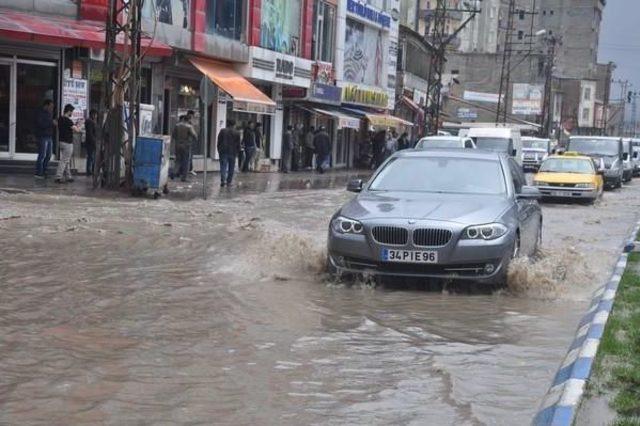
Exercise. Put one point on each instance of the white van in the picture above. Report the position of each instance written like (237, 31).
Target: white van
(498, 139)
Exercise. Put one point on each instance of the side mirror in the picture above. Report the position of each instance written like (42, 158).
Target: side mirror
(355, 185)
(635, 155)
(625, 156)
(529, 193)
(514, 152)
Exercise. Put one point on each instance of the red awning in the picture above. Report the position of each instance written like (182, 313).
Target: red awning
(60, 31)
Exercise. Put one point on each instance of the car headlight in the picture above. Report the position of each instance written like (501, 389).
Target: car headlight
(540, 183)
(490, 231)
(585, 185)
(343, 225)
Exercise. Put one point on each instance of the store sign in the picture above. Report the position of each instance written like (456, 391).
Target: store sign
(325, 93)
(254, 108)
(284, 68)
(290, 92)
(323, 72)
(367, 12)
(467, 114)
(367, 97)
(481, 97)
(75, 92)
(527, 99)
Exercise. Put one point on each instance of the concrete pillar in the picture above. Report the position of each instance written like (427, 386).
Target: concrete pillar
(276, 123)
(341, 29)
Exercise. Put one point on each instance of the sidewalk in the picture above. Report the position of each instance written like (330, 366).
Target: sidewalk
(244, 183)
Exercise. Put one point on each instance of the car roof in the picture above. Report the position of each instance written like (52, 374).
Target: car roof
(533, 138)
(570, 157)
(441, 138)
(610, 138)
(449, 153)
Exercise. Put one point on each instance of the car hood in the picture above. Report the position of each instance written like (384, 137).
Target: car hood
(459, 208)
(564, 177)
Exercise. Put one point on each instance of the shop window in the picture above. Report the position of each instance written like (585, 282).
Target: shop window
(225, 18)
(172, 12)
(280, 25)
(145, 86)
(324, 32)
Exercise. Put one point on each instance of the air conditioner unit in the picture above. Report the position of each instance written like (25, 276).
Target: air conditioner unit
(96, 55)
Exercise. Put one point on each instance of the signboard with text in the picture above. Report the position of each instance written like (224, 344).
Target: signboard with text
(356, 95)
(75, 92)
(527, 99)
(481, 97)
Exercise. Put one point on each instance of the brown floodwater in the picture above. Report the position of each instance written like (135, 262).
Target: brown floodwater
(203, 312)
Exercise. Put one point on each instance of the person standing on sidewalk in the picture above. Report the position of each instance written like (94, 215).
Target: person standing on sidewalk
(66, 129)
(308, 148)
(228, 150)
(184, 135)
(249, 142)
(322, 148)
(287, 149)
(44, 132)
(191, 115)
(90, 128)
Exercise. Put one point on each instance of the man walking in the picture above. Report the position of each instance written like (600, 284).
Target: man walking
(44, 132)
(322, 148)
(228, 149)
(287, 149)
(90, 128)
(191, 115)
(249, 142)
(184, 135)
(66, 129)
(308, 148)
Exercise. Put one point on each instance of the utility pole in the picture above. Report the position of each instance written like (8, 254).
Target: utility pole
(607, 99)
(120, 110)
(624, 85)
(439, 41)
(505, 72)
(548, 86)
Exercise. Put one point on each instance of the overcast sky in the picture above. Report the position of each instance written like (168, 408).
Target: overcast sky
(620, 41)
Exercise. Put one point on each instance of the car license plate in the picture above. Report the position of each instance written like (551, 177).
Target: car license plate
(558, 193)
(409, 256)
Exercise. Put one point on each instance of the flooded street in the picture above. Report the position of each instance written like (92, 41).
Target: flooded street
(133, 311)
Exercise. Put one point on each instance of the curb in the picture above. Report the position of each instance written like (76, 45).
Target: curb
(561, 401)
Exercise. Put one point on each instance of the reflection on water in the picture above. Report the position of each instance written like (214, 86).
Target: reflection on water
(125, 312)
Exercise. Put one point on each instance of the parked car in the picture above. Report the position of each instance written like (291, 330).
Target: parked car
(453, 214)
(534, 152)
(569, 176)
(498, 139)
(606, 151)
(450, 142)
(627, 163)
(635, 147)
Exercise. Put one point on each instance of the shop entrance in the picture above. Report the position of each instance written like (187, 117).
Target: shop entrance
(24, 86)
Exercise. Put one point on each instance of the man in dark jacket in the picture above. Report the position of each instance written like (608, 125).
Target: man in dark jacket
(322, 148)
(249, 141)
(90, 128)
(228, 150)
(287, 149)
(44, 126)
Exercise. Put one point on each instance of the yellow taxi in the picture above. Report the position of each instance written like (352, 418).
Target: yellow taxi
(569, 175)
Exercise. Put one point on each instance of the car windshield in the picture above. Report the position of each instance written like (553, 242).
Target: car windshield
(439, 143)
(535, 144)
(568, 165)
(441, 175)
(493, 144)
(594, 146)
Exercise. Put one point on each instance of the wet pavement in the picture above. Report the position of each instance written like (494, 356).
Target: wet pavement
(135, 311)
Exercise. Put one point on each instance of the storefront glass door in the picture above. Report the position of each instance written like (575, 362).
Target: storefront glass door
(7, 119)
(24, 86)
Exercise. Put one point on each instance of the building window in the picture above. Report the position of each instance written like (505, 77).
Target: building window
(551, 12)
(521, 15)
(585, 114)
(520, 35)
(225, 18)
(587, 93)
(324, 32)
(171, 12)
(280, 25)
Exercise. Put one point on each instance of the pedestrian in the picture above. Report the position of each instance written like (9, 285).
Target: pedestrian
(91, 129)
(322, 148)
(308, 148)
(249, 142)
(379, 141)
(298, 143)
(287, 149)
(391, 146)
(66, 129)
(228, 150)
(191, 115)
(259, 146)
(403, 142)
(184, 136)
(565, 132)
(44, 127)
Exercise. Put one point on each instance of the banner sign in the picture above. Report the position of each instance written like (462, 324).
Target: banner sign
(325, 93)
(480, 97)
(367, 12)
(467, 114)
(75, 92)
(527, 99)
(358, 96)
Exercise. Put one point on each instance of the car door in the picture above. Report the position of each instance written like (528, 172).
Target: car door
(527, 211)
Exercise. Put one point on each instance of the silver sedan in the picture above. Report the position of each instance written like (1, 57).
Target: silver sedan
(454, 214)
